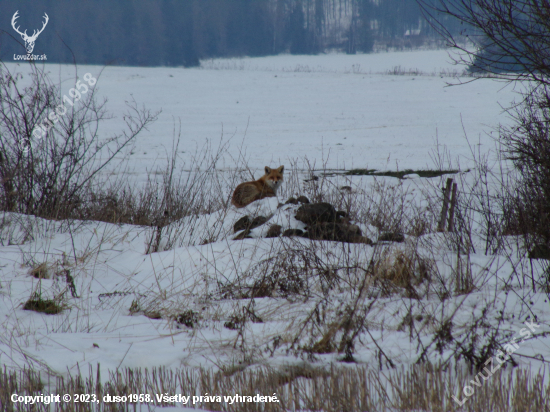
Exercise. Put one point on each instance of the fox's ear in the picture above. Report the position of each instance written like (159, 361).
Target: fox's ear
(281, 169)
(267, 170)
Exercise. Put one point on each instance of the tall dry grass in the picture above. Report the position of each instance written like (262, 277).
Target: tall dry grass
(298, 387)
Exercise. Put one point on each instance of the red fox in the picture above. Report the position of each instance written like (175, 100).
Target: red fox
(265, 186)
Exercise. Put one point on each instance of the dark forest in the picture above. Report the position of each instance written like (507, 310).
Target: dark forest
(181, 32)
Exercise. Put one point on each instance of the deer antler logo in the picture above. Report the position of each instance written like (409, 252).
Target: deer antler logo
(29, 40)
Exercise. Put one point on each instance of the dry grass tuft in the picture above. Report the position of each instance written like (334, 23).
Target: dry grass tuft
(48, 306)
(402, 269)
(42, 271)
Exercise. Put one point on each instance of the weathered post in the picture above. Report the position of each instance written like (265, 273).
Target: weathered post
(451, 226)
(446, 198)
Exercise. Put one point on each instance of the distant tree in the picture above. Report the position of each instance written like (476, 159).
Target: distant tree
(365, 35)
(297, 33)
(250, 28)
(178, 47)
(360, 36)
(320, 20)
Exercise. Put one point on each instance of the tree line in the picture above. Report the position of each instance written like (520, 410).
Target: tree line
(181, 32)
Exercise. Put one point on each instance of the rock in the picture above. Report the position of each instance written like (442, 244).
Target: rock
(243, 235)
(293, 232)
(245, 223)
(241, 224)
(258, 221)
(274, 231)
(391, 237)
(322, 231)
(333, 231)
(325, 223)
(346, 188)
(313, 213)
(294, 201)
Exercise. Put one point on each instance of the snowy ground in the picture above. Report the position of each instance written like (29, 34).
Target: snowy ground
(342, 111)
(334, 107)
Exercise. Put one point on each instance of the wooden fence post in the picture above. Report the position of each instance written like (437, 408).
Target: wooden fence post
(451, 226)
(446, 198)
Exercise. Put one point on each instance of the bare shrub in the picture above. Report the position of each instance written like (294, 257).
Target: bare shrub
(55, 174)
(198, 192)
(68, 173)
(527, 144)
(286, 273)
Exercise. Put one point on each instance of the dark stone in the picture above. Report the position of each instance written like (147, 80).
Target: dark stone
(291, 201)
(274, 231)
(293, 232)
(539, 252)
(348, 188)
(257, 221)
(245, 223)
(241, 224)
(325, 231)
(243, 235)
(303, 199)
(391, 237)
(314, 213)
(333, 231)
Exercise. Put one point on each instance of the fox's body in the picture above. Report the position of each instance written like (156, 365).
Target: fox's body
(265, 186)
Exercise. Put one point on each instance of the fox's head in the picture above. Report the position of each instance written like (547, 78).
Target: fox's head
(274, 177)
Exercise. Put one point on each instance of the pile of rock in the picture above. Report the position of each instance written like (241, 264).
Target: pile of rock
(325, 223)
(322, 222)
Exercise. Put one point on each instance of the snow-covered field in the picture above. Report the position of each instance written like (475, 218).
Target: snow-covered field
(336, 107)
(338, 112)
